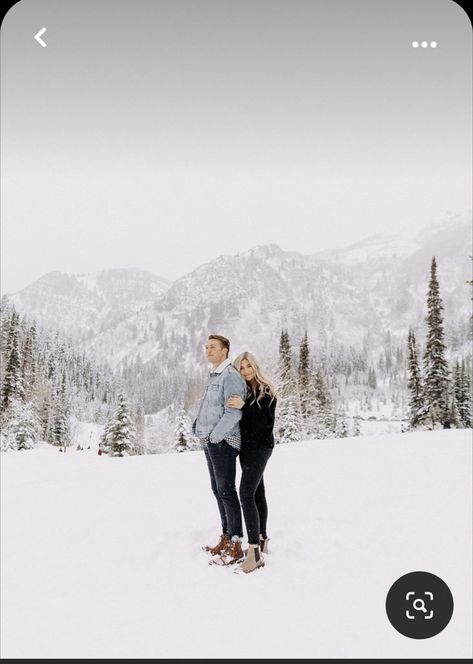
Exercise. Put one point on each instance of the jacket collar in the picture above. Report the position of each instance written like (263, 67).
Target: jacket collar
(221, 367)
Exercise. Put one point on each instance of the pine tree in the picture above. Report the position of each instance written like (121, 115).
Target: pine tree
(61, 427)
(140, 429)
(464, 395)
(324, 418)
(182, 431)
(5, 322)
(453, 413)
(121, 430)
(414, 383)
(285, 362)
(435, 392)
(342, 429)
(304, 374)
(356, 427)
(372, 378)
(288, 422)
(104, 444)
(307, 394)
(13, 387)
(21, 431)
(46, 413)
(28, 369)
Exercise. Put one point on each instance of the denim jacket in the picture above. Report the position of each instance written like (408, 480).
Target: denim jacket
(214, 416)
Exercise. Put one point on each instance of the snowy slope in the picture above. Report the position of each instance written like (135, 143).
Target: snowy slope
(348, 295)
(84, 305)
(249, 297)
(101, 557)
(376, 248)
(354, 295)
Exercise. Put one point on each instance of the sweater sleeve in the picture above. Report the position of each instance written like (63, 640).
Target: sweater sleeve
(233, 384)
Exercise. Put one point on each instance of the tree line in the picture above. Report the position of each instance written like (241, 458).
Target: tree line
(439, 393)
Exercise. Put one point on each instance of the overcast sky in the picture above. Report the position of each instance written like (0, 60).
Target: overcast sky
(160, 134)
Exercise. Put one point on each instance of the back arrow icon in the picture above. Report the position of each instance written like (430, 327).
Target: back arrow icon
(38, 37)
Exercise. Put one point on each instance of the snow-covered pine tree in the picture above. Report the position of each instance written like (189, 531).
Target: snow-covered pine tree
(342, 428)
(5, 320)
(453, 414)
(12, 387)
(28, 369)
(356, 427)
(304, 374)
(456, 392)
(46, 410)
(182, 431)
(288, 417)
(324, 418)
(464, 395)
(414, 383)
(121, 430)
(435, 388)
(21, 431)
(140, 428)
(285, 361)
(372, 378)
(290, 422)
(61, 426)
(104, 437)
(307, 394)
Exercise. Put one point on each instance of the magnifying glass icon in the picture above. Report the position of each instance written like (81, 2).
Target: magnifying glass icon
(419, 605)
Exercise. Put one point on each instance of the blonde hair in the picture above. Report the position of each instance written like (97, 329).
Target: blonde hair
(263, 384)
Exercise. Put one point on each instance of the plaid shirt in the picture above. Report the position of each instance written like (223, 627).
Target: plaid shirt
(233, 441)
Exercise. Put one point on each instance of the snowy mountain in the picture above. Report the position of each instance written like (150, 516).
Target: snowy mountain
(250, 296)
(85, 305)
(394, 272)
(385, 249)
(247, 297)
(101, 557)
(353, 296)
(380, 248)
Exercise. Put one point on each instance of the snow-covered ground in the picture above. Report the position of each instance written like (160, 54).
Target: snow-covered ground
(101, 556)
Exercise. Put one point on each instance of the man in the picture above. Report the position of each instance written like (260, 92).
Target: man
(218, 429)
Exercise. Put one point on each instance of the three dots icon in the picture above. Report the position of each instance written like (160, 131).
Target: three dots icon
(424, 44)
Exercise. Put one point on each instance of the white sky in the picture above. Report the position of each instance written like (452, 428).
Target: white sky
(162, 134)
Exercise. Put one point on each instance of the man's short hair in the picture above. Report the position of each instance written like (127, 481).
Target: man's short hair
(223, 340)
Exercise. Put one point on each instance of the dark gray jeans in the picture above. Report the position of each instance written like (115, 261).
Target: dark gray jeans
(221, 460)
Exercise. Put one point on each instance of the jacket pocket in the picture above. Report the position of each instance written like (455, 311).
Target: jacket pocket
(213, 394)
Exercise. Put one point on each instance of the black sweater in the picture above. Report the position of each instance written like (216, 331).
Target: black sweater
(257, 420)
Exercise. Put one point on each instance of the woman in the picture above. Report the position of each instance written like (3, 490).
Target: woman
(257, 442)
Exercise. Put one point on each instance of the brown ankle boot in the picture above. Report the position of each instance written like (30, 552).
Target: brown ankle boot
(253, 559)
(233, 553)
(219, 547)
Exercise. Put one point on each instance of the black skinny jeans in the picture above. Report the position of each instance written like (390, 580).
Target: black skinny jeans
(253, 460)
(221, 461)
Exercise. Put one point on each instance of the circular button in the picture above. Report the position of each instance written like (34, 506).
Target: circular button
(419, 605)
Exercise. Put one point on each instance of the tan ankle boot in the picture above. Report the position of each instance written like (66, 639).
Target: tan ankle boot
(253, 559)
(264, 544)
